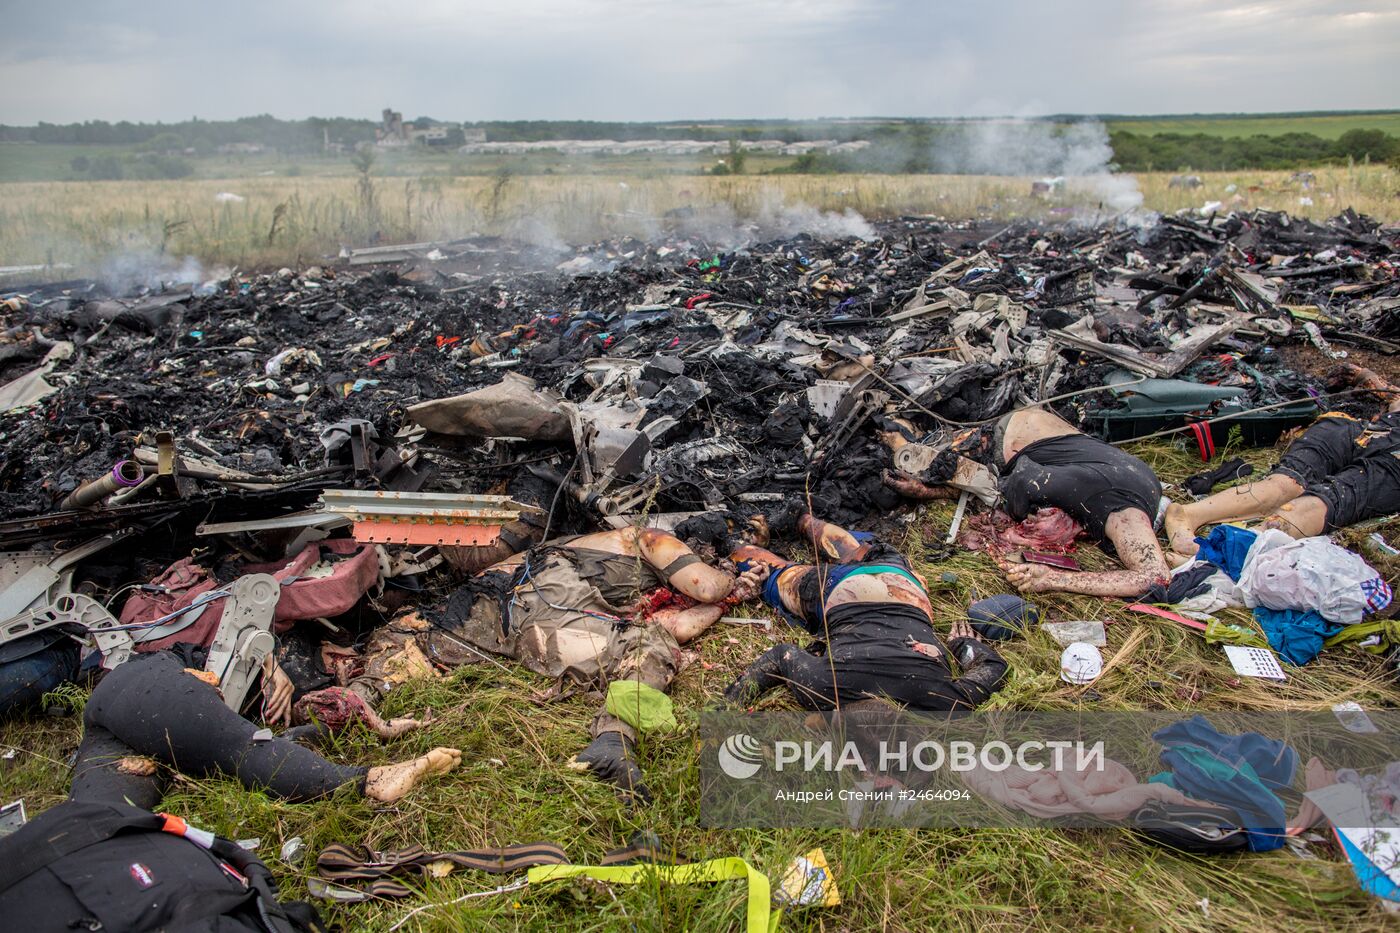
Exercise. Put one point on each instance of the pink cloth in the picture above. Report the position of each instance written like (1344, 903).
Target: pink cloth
(316, 597)
(183, 583)
(322, 597)
(1111, 794)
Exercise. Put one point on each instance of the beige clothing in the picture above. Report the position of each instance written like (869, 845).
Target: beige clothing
(559, 626)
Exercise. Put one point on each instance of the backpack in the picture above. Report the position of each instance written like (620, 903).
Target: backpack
(1190, 828)
(114, 867)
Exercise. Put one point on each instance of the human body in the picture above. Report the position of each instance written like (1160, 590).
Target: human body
(592, 610)
(1340, 471)
(1044, 462)
(874, 617)
(161, 708)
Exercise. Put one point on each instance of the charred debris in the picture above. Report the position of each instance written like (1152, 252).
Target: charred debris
(665, 377)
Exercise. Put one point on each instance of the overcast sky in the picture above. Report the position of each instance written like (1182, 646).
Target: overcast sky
(67, 60)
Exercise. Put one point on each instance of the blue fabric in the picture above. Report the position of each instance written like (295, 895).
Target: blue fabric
(772, 597)
(1005, 615)
(834, 575)
(1296, 634)
(1245, 771)
(25, 679)
(1371, 878)
(1226, 548)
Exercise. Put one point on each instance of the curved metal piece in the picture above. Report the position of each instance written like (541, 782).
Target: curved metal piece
(82, 612)
(244, 638)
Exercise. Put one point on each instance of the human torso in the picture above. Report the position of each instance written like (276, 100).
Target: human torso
(883, 587)
(1021, 428)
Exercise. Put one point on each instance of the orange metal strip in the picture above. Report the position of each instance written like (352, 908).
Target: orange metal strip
(420, 533)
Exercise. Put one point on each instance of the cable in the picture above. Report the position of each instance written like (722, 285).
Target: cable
(530, 578)
(974, 424)
(203, 600)
(1249, 411)
(112, 600)
(549, 519)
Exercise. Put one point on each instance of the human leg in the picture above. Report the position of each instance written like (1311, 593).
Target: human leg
(1370, 488)
(644, 653)
(1238, 503)
(809, 679)
(834, 541)
(1327, 447)
(1304, 517)
(33, 668)
(110, 771)
(152, 707)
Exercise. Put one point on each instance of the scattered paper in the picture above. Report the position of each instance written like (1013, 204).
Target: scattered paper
(1354, 719)
(1249, 661)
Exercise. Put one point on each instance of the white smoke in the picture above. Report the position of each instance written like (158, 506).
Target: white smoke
(771, 217)
(136, 270)
(1078, 152)
(787, 220)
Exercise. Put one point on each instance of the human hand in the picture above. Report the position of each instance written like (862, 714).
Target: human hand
(962, 628)
(1032, 578)
(277, 694)
(750, 582)
(911, 487)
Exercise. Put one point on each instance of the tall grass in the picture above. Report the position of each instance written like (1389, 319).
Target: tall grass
(513, 787)
(306, 220)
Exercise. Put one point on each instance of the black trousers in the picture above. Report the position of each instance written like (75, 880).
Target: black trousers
(150, 707)
(888, 671)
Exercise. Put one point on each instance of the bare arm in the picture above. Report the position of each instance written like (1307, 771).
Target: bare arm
(685, 624)
(698, 580)
(911, 487)
(1131, 533)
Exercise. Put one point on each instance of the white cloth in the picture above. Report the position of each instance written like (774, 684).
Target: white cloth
(1310, 573)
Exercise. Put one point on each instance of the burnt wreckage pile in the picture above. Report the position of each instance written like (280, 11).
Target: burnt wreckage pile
(667, 377)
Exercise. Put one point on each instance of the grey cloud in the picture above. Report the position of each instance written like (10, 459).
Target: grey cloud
(666, 59)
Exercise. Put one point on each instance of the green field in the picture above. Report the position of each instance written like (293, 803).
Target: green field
(53, 162)
(899, 140)
(1325, 126)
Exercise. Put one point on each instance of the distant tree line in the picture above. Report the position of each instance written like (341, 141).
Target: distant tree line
(938, 149)
(1174, 151)
(897, 145)
(203, 136)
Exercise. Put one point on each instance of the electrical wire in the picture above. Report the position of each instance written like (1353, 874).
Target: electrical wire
(549, 519)
(203, 600)
(973, 424)
(530, 578)
(1250, 411)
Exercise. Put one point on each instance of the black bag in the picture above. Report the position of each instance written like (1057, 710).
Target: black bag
(1199, 829)
(103, 866)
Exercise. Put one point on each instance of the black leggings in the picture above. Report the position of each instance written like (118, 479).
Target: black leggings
(150, 707)
(823, 683)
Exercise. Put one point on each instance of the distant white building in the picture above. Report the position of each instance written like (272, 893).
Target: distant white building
(662, 146)
(394, 133)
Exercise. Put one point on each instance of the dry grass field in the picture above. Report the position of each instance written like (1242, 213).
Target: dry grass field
(289, 221)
